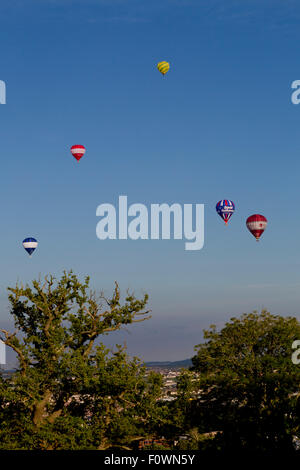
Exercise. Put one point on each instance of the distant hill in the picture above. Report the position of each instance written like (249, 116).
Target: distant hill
(186, 363)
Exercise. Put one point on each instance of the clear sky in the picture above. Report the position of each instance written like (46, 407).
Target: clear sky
(219, 125)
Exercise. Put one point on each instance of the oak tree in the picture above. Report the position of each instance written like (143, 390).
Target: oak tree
(70, 391)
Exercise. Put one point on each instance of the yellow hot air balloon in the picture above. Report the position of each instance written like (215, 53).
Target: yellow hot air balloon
(163, 67)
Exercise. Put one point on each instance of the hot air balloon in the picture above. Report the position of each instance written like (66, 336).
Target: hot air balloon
(30, 245)
(225, 208)
(256, 224)
(78, 151)
(163, 67)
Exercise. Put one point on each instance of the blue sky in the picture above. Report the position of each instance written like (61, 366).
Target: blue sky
(220, 125)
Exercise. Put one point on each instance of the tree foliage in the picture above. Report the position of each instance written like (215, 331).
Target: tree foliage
(70, 391)
(248, 386)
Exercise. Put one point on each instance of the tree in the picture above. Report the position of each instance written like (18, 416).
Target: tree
(249, 387)
(71, 392)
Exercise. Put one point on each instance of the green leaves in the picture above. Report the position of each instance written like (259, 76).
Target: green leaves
(248, 381)
(71, 392)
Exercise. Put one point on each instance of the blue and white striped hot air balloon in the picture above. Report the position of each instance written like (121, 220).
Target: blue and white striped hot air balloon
(30, 245)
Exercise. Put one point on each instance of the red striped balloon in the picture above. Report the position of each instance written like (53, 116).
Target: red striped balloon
(256, 224)
(78, 151)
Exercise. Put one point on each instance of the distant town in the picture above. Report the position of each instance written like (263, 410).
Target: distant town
(170, 371)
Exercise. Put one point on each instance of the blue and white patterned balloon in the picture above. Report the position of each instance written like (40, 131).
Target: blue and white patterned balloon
(225, 208)
(30, 245)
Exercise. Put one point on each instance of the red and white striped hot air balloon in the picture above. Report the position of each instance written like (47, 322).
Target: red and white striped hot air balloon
(256, 224)
(78, 151)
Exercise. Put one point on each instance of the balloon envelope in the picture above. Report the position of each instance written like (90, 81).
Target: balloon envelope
(78, 151)
(163, 67)
(30, 245)
(225, 208)
(256, 224)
